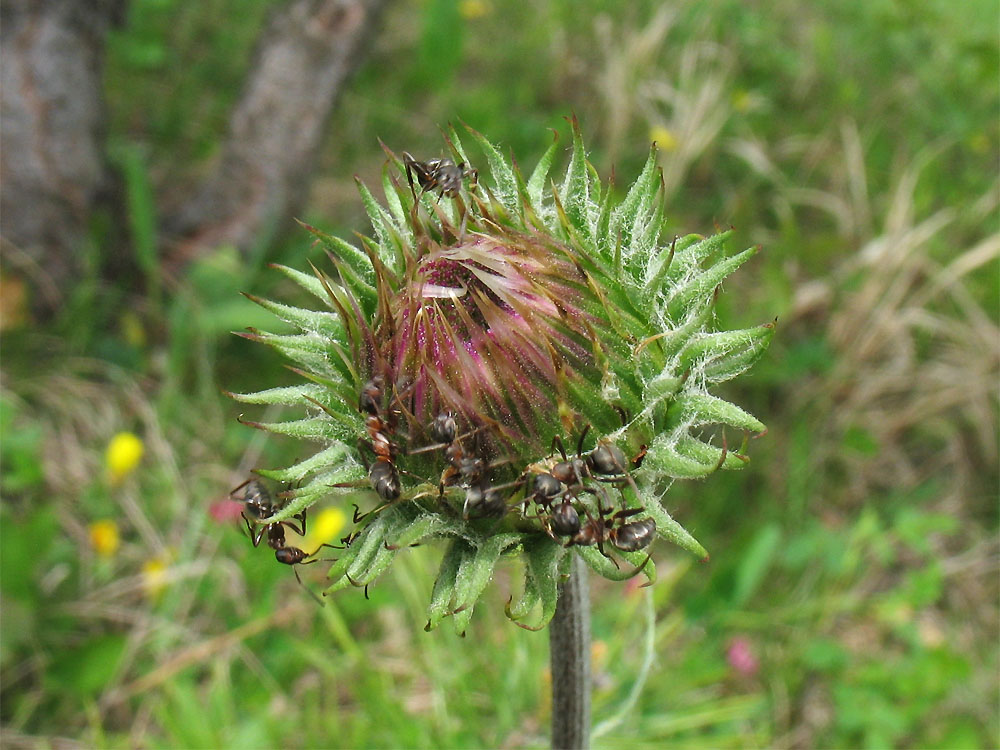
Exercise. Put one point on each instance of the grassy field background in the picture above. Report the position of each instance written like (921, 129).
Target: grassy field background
(852, 595)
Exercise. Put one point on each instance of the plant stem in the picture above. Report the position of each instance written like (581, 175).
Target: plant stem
(569, 658)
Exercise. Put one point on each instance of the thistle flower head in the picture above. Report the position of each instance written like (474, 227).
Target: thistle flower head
(515, 367)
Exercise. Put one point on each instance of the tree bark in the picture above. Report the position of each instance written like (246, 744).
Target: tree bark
(51, 163)
(301, 63)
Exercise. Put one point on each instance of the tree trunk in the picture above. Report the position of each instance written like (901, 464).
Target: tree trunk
(52, 166)
(276, 129)
(51, 161)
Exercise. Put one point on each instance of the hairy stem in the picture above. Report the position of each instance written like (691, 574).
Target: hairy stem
(569, 657)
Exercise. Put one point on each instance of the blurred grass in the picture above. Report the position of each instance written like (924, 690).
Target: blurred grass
(857, 555)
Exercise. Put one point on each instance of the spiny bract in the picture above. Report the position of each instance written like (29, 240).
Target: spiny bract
(518, 368)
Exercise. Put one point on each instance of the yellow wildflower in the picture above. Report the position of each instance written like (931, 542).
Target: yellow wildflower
(742, 101)
(104, 537)
(472, 9)
(132, 329)
(325, 528)
(664, 137)
(122, 456)
(154, 576)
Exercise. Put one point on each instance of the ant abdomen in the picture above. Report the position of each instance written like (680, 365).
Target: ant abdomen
(634, 536)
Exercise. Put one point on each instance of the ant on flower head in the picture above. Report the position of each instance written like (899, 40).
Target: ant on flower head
(259, 505)
(442, 176)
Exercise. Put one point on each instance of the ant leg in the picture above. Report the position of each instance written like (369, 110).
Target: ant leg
(356, 584)
(355, 484)
(254, 537)
(600, 547)
(639, 570)
(311, 592)
(313, 558)
(604, 505)
(410, 164)
(301, 518)
(427, 448)
(359, 518)
(394, 547)
(626, 513)
(579, 443)
(547, 526)
(558, 443)
(239, 487)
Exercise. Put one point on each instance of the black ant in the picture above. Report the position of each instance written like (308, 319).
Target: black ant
(443, 428)
(370, 400)
(462, 468)
(439, 175)
(467, 469)
(635, 535)
(259, 505)
(481, 498)
(382, 474)
(562, 519)
(627, 537)
(606, 463)
(483, 501)
(544, 489)
(257, 501)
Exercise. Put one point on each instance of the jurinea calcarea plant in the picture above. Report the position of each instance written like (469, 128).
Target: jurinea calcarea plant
(517, 369)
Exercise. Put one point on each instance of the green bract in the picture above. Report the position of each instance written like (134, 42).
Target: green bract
(539, 318)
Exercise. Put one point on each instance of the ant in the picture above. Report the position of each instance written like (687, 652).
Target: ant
(439, 175)
(481, 498)
(635, 535)
(463, 468)
(443, 428)
(257, 500)
(627, 537)
(294, 556)
(544, 489)
(258, 503)
(562, 520)
(382, 474)
(483, 501)
(606, 463)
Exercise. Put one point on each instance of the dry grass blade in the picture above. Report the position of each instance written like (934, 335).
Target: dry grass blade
(199, 652)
